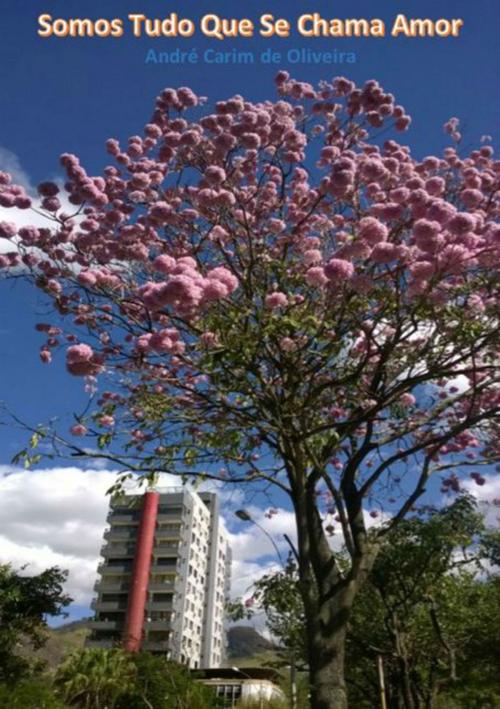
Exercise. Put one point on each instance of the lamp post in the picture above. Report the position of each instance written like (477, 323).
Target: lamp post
(261, 698)
(293, 682)
(244, 516)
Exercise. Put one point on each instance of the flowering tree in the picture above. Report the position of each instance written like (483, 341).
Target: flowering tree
(272, 289)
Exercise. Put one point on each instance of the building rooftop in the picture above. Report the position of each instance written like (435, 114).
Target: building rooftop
(262, 673)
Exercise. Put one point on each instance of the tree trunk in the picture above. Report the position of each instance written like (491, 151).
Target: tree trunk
(326, 669)
(327, 593)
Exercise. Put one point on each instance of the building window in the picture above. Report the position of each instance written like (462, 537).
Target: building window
(229, 693)
(166, 561)
(162, 597)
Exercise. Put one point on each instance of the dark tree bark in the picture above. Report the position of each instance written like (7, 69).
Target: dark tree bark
(327, 592)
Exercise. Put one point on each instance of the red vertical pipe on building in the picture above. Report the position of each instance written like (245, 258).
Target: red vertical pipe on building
(140, 573)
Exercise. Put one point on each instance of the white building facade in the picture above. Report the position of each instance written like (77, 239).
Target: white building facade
(165, 577)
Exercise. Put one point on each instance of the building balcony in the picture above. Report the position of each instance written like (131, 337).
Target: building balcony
(116, 534)
(119, 518)
(157, 625)
(173, 517)
(104, 585)
(162, 586)
(159, 605)
(156, 645)
(98, 605)
(105, 568)
(121, 550)
(107, 624)
(168, 533)
(159, 568)
(167, 546)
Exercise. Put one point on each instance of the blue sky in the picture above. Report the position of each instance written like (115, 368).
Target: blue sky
(70, 95)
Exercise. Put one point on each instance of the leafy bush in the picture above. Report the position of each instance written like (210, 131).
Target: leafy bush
(97, 678)
(29, 694)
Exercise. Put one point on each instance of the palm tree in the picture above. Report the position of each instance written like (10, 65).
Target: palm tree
(95, 678)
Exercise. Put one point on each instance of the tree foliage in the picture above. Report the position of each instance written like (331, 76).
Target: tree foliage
(430, 610)
(277, 595)
(96, 678)
(31, 693)
(430, 589)
(25, 603)
(278, 295)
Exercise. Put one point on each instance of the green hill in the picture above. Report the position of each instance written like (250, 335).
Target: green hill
(244, 643)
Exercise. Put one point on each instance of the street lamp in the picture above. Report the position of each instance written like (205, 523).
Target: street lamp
(244, 516)
(261, 698)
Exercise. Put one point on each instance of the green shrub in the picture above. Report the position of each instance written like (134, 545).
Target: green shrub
(29, 694)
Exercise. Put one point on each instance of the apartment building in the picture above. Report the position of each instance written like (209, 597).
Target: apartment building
(165, 577)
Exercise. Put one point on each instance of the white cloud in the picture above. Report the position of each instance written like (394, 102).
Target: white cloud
(485, 494)
(9, 162)
(56, 517)
(250, 543)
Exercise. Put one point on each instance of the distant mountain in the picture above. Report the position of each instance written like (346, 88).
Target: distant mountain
(71, 626)
(62, 641)
(244, 641)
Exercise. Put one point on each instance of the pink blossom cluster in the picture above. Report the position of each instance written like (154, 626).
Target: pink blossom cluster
(12, 195)
(81, 361)
(166, 340)
(186, 288)
(278, 227)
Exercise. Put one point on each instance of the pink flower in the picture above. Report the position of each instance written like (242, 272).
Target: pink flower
(78, 430)
(407, 399)
(209, 339)
(435, 186)
(106, 421)
(312, 256)
(287, 344)
(7, 230)
(372, 230)
(339, 269)
(81, 361)
(475, 303)
(426, 234)
(422, 270)
(316, 276)
(384, 252)
(215, 175)
(160, 212)
(276, 300)
(276, 226)
(440, 211)
(186, 97)
(223, 275)
(164, 264)
(471, 198)
(45, 355)
(219, 234)
(143, 342)
(87, 278)
(461, 223)
(214, 290)
(250, 141)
